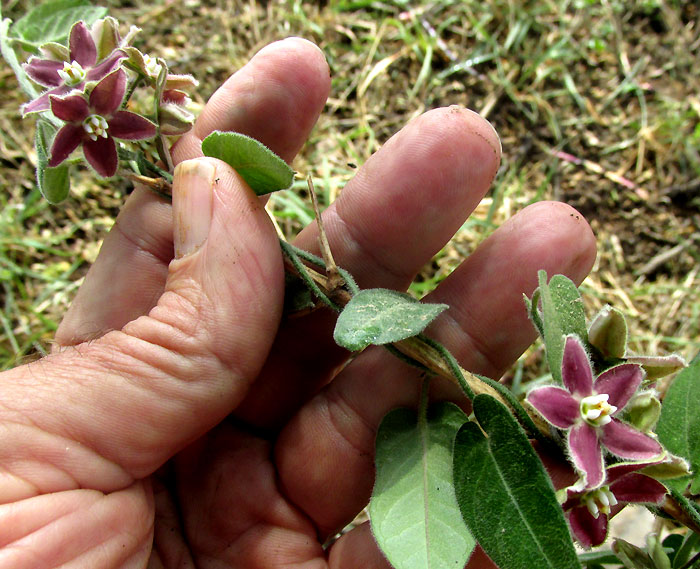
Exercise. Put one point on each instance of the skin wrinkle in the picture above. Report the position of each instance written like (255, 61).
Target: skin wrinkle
(91, 504)
(357, 245)
(147, 246)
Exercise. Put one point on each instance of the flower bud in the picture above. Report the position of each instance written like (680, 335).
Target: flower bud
(105, 33)
(644, 410)
(174, 119)
(608, 332)
(657, 553)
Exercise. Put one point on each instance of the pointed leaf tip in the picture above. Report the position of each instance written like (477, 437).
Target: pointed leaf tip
(381, 316)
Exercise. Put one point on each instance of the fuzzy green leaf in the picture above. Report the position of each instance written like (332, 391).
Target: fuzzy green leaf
(562, 314)
(505, 494)
(261, 168)
(678, 428)
(414, 513)
(380, 316)
(54, 183)
(51, 21)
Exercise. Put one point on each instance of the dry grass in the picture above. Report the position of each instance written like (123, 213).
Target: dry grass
(596, 102)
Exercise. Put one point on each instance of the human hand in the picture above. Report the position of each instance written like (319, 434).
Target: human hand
(179, 423)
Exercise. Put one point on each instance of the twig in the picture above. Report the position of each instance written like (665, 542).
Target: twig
(335, 281)
(657, 260)
(159, 186)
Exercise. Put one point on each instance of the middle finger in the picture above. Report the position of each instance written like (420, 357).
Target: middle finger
(403, 205)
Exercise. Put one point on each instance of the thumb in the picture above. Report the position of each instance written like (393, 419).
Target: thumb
(135, 397)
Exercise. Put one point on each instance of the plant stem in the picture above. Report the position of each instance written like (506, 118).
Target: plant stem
(682, 509)
(692, 562)
(451, 363)
(304, 274)
(131, 88)
(423, 351)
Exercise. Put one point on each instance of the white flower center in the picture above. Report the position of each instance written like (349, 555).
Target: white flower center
(72, 73)
(95, 126)
(596, 410)
(152, 66)
(599, 501)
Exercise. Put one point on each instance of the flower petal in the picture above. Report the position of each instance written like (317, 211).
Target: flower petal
(44, 71)
(556, 405)
(180, 82)
(627, 442)
(638, 488)
(130, 126)
(101, 154)
(586, 454)
(82, 46)
(658, 366)
(108, 93)
(70, 109)
(617, 471)
(65, 142)
(576, 371)
(587, 530)
(38, 105)
(106, 67)
(620, 383)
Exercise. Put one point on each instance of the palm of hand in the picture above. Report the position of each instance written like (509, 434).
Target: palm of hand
(157, 471)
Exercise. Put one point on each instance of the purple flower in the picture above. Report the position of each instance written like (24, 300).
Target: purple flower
(96, 123)
(588, 411)
(61, 76)
(588, 510)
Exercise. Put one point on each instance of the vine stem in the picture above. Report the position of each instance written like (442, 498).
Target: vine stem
(426, 352)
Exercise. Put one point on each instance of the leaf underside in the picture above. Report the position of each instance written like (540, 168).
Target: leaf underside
(414, 513)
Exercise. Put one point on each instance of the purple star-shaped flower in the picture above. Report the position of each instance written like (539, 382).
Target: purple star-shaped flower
(588, 410)
(95, 124)
(588, 510)
(62, 77)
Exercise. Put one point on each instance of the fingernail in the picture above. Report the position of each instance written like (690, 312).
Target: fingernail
(193, 183)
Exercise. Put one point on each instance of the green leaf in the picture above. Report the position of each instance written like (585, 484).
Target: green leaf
(261, 168)
(413, 511)
(562, 315)
(505, 494)
(54, 183)
(52, 21)
(678, 428)
(9, 55)
(380, 316)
